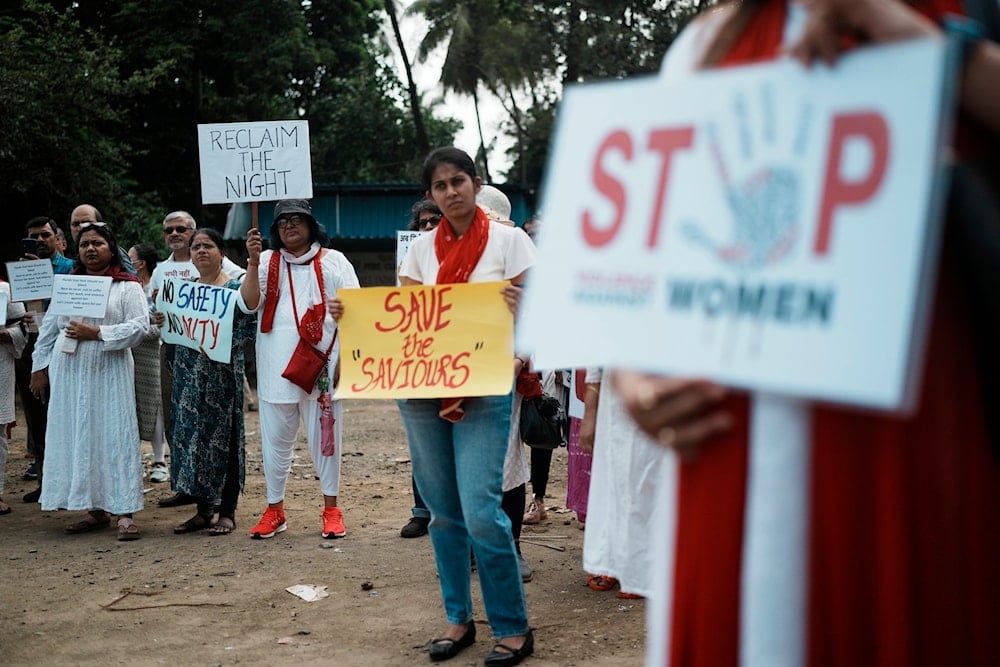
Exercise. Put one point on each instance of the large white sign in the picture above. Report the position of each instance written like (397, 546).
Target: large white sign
(768, 227)
(80, 296)
(254, 161)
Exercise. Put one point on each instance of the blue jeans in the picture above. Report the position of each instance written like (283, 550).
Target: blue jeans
(459, 469)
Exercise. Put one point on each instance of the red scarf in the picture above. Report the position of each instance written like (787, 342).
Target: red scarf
(117, 274)
(458, 257)
(316, 312)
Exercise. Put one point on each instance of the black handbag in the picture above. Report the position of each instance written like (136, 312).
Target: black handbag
(543, 422)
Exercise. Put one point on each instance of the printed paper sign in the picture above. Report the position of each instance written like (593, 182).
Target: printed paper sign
(403, 241)
(198, 316)
(426, 341)
(769, 227)
(254, 161)
(30, 279)
(80, 296)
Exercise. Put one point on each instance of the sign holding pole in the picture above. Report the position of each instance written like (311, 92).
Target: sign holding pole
(250, 162)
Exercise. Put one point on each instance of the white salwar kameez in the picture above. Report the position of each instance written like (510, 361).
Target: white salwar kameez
(284, 404)
(92, 454)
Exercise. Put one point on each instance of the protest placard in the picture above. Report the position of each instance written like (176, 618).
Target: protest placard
(80, 296)
(246, 162)
(426, 341)
(403, 241)
(198, 316)
(30, 279)
(769, 226)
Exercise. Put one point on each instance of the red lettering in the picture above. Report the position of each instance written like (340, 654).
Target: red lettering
(871, 127)
(610, 187)
(665, 142)
(426, 310)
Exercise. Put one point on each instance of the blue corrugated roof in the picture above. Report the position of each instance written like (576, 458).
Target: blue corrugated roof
(353, 211)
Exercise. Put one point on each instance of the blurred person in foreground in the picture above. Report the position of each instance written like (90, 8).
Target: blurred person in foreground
(901, 542)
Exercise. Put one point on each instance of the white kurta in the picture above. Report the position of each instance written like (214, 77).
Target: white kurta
(275, 348)
(8, 353)
(628, 469)
(92, 449)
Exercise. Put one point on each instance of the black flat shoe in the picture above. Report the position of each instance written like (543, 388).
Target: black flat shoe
(32, 496)
(446, 649)
(177, 500)
(511, 656)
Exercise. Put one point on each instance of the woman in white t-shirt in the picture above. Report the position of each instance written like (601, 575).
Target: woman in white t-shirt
(458, 446)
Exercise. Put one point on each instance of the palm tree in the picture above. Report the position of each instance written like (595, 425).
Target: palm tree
(418, 118)
(463, 25)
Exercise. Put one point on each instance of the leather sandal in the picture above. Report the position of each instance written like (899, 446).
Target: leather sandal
(90, 522)
(224, 526)
(194, 524)
(598, 582)
(127, 530)
(445, 648)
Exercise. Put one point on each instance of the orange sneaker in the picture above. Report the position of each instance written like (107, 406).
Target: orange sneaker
(333, 523)
(272, 523)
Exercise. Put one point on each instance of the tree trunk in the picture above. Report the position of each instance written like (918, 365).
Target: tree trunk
(482, 141)
(418, 118)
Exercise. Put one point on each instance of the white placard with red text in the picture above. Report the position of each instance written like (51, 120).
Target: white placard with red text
(769, 227)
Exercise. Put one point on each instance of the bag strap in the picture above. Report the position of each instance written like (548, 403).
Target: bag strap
(322, 294)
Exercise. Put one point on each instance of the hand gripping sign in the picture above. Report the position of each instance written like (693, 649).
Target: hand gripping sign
(769, 227)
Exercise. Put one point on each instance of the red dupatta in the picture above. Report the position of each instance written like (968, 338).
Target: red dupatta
(457, 257)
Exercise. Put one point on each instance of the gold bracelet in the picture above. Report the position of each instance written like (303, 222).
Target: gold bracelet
(596, 390)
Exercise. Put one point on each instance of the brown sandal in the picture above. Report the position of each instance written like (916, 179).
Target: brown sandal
(127, 530)
(194, 524)
(90, 522)
(224, 526)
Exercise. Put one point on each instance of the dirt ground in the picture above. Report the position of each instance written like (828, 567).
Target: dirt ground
(201, 600)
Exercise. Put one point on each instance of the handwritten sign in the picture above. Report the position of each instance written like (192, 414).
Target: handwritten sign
(427, 341)
(254, 161)
(198, 316)
(30, 279)
(80, 296)
(403, 241)
(769, 227)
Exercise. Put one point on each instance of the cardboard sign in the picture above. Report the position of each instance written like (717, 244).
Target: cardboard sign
(198, 316)
(30, 280)
(80, 296)
(769, 227)
(426, 341)
(254, 161)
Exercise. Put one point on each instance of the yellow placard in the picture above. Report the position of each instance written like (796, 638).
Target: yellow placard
(425, 341)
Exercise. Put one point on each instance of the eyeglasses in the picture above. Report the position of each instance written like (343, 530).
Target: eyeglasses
(176, 230)
(293, 220)
(203, 246)
(430, 221)
(84, 223)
